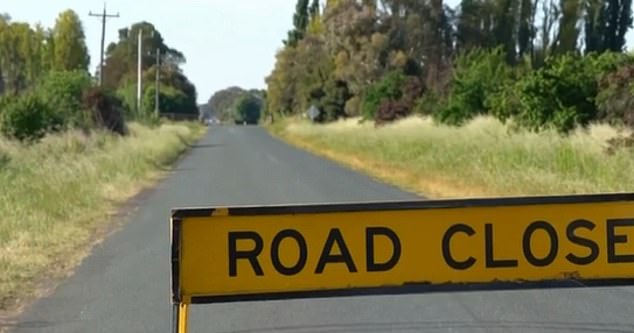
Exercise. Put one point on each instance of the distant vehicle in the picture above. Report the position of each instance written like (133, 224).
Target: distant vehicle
(212, 121)
(245, 123)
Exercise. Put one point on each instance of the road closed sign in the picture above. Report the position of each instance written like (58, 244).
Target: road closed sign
(253, 253)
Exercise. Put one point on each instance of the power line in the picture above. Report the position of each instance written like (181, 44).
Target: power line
(103, 16)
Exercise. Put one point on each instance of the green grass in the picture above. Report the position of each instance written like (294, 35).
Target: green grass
(483, 158)
(57, 196)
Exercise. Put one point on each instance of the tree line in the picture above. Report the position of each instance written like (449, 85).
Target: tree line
(235, 104)
(539, 63)
(46, 84)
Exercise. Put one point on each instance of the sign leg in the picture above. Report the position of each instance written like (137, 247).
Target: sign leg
(183, 311)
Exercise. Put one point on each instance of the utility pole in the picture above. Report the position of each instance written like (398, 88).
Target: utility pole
(103, 16)
(139, 85)
(158, 78)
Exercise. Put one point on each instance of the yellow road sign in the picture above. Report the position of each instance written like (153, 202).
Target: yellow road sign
(251, 253)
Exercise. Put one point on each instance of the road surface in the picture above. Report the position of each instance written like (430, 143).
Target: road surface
(124, 285)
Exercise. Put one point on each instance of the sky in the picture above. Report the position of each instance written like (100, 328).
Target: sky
(226, 42)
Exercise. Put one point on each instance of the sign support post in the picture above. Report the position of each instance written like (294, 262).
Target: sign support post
(183, 312)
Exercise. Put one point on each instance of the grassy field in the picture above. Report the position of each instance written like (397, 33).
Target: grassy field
(57, 196)
(484, 158)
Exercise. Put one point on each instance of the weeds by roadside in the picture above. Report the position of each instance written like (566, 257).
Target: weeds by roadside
(55, 194)
(483, 158)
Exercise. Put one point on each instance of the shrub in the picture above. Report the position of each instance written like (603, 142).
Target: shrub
(63, 91)
(389, 111)
(353, 106)
(104, 110)
(561, 94)
(615, 100)
(28, 118)
(477, 74)
(126, 93)
(4, 100)
(392, 110)
(429, 103)
(385, 90)
(607, 62)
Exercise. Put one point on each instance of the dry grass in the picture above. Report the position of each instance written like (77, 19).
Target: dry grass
(57, 194)
(483, 158)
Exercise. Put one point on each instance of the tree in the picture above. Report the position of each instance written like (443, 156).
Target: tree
(473, 26)
(594, 25)
(43, 54)
(568, 26)
(173, 76)
(20, 56)
(333, 102)
(223, 101)
(282, 83)
(313, 73)
(360, 51)
(550, 14)
(606, 23)
(505, 27)
(314, 9)
(4, 23)
(434, 51)
(121, 57)
(526, 27)
(171, 101)
(70, 51)
(120, 71)
(174, 83)
(247, 109)
(300, 22)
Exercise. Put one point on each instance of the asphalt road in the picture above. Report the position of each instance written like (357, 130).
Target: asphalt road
(124, 285)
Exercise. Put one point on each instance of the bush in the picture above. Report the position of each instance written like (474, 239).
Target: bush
(353, 106)
(392, 110)
(126, 93)
(561, 94)
(429, 103)
(615, 100)
(477, 75)
(386, 90)
(28, 118)
(104, 110)
(4, 100)
(63, 91)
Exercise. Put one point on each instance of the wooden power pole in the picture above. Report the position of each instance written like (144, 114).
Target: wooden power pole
(103, 17)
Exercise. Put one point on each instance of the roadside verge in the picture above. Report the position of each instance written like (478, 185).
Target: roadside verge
(482, 158)
(58, 198)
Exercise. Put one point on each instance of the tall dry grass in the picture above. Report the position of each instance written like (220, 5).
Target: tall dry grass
(54, 195)
(483, 158)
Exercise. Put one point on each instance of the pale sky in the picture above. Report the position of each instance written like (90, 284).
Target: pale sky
(226, 42)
